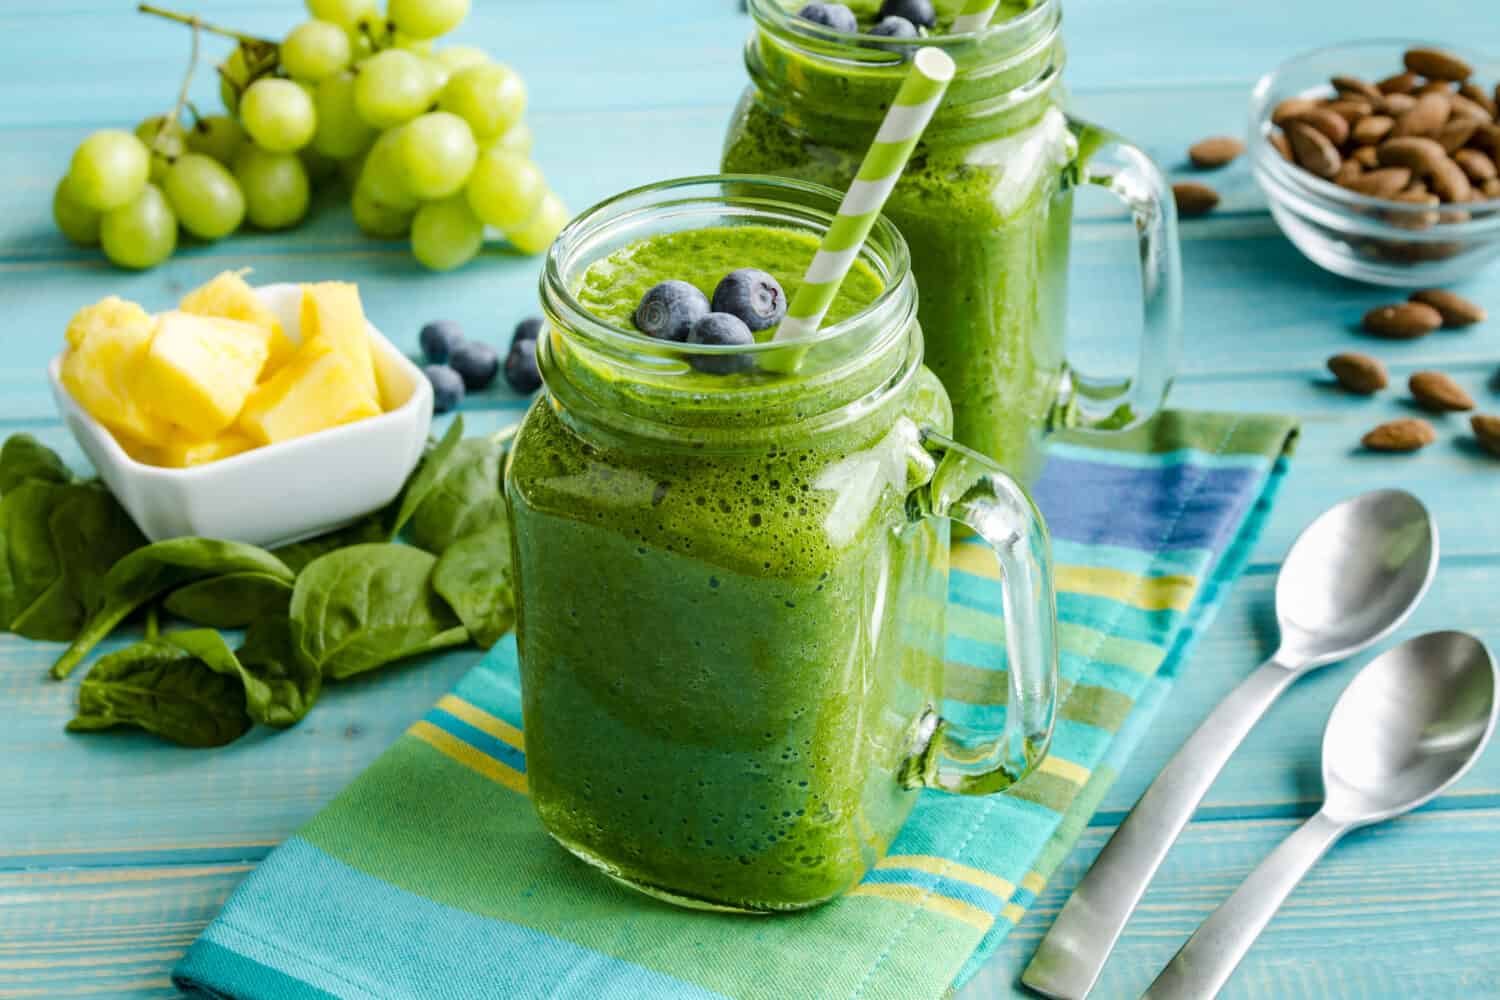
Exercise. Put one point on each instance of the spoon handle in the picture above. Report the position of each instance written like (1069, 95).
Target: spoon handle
(1071, 956)
(1203, 965)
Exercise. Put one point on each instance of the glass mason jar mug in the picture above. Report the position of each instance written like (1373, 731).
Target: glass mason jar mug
(985, 205)
(731, 587)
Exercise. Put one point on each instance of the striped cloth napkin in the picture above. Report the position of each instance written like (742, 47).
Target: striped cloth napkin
(430, 876)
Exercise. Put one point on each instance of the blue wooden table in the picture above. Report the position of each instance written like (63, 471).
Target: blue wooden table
(114, 852)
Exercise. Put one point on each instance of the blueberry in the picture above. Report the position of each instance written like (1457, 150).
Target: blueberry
(477, 363)
(920, 13)
(894, 27)
(529, 328)
(830, 15)
(752, 295)
(441, 338)
(720, 329)
(520, 367)
(447, 387)
(670, 309)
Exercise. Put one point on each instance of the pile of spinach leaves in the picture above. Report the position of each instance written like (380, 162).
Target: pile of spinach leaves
(430, 572)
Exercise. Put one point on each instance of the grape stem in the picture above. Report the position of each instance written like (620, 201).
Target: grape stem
(175, 118)
(194, 21)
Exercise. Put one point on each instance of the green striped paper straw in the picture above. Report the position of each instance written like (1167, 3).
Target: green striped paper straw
(975, 16)
(920, 94)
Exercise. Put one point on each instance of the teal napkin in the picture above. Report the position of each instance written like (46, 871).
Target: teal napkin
(430, 875)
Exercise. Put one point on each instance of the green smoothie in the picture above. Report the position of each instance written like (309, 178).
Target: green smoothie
(983, 204)
(726, 642)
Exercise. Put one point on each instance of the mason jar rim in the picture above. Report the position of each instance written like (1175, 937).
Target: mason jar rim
(770, 13)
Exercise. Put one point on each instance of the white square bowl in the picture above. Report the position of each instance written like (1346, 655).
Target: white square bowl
(279, 493)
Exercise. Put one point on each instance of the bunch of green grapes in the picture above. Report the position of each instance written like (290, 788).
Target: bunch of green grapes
(432, 142)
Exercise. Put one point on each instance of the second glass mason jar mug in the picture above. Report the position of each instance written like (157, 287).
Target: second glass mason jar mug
(731, 588)
(985, 204)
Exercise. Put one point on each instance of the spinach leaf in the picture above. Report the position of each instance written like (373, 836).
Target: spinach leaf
(163, 689)
(91, 532)
(233, 600)
(426, 476)
(25, 459)
(31, 579)
(151, 571)
(297, 555)
(279, 686)
(466, 497)
(473, 576)
(368, 605)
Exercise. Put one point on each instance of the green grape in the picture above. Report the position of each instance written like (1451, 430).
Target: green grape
(275, 185)
(219, 136)
(205, 196)
(278, 115)
(377, 220)
(457, 57)
(341, 133)
(446, 234)
(75, 221)
(141, 233)
(315, 50)
(162, 136)
(542, 228)
(505, 188)
(437, 73)
(427, 18)
(344, 13)
(517, 139)
(349, 169)
(383, 178)
(416, 46)
(393, 87)
(437, 153)
(109, 169)
(490, 97)
(233, 72)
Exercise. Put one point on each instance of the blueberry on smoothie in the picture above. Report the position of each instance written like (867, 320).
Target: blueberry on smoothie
(894, 27)
(752, 295)
(920, 13)
(439, 339)
(830, 15)
(668, 311)
(520, 367)
(720, 329)
(447, 387)
(529, 328)
(476, 363)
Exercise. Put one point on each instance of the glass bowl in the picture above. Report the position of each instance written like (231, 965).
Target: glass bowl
(1367, 239)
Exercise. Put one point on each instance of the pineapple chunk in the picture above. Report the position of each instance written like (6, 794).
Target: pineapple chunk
(146, 454)
(108, 344)
(318, 389)
(331, 311)
(229, 297)
(182, 451)
(199, 371)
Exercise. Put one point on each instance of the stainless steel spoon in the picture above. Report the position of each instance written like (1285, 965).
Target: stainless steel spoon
(1409, 726)
(1351, 578)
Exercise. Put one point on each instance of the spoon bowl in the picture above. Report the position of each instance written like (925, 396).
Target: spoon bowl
(1352, 576)
(1408, 726)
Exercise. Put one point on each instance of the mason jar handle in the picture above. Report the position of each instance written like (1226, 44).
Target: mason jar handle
(1121, 168)
(969, 488)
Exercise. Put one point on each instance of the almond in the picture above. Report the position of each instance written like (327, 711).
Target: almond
(1476, 93)
(1349, 172)
(1350, 109)
(1386, 182)
(1366, 156)
(1398, 104)
(1420, 155)
(1415, 195)
(1283, 147)
(1194, 199)
(1333, 127)
(1357, 87)
(1439, 393)
(1462, 107)
(1429, 114)
(1291, 108)
(1359, 373)
(1401, 83)
(1408, 434)
(1435, 64)
(1487, 139)
(1214, 152)
(1455, 310)
(1403, 321)
(1456, 134)
(1449, 182)
(1479, 167)
(1487, 432)
(1435, 87)
(1370, 130)
(1313, 149)
(1491, 188)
